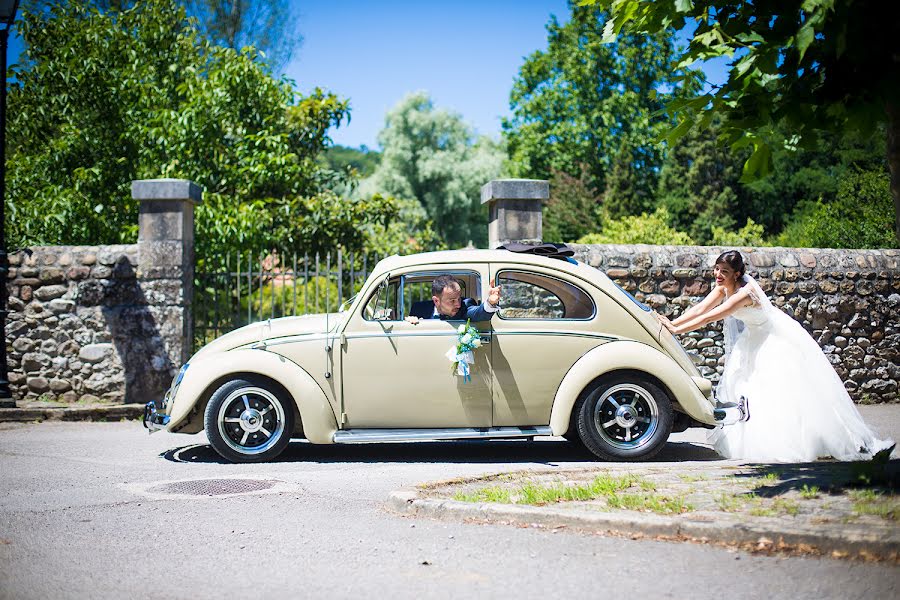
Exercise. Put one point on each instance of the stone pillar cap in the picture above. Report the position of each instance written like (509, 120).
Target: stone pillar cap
(166, 189)
(515, 189)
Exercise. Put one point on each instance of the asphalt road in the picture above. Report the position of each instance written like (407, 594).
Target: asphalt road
(85, 513)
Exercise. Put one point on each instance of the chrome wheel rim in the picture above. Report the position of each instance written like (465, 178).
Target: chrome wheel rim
(251, 420)
(626, 416)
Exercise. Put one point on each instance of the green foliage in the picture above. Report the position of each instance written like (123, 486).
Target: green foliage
(583, 102)
(360, 162)
(751, 234)
(572, 210)
(432, 156)
(644, 229)
(861, 216)
(102, 99)
(409, 233)
(804, 66)
(699, 186)
(276, 297)
(816, 65)
(268, 25)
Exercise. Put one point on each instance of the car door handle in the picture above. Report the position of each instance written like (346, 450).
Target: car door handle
(485, 339)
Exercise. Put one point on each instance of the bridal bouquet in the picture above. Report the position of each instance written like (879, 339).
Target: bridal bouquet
(467, 339)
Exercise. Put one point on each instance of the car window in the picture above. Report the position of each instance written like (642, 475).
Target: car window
(417, 286)
(393, 299)
(527, 295)
(383, 303)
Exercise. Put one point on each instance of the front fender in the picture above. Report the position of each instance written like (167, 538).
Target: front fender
(690, 394)
(316, 415)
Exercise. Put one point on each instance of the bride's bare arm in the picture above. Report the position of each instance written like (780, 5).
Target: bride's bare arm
(712, 299)
(739, 299)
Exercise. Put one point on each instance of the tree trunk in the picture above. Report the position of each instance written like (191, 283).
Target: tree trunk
(893, 156)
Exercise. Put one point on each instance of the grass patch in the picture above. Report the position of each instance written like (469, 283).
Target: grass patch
(693, 478)
(785, 506)
(604, 487)
(870, 502)
(728, 502)
(534, 493)
(650, 502)
(809, 492)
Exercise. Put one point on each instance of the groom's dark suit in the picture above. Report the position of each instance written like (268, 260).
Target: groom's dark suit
(468, 309)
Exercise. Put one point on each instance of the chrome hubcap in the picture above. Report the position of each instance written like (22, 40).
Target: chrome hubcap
(626, 416)
(251, 420)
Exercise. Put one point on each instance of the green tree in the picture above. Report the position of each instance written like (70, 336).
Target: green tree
(804, 65)
(859, 217)
(573, 208)
(583, 102)
(646, 228)
(432, 156)
(105, 98)
(699, 185)
(361, 161)
(270, 26)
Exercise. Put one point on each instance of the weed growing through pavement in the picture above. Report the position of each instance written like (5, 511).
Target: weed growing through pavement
(870, 502)
(809, 492)
(785, 506)
(610, 488)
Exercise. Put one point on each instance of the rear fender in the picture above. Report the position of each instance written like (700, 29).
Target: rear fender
(691, 394)
(208, 371)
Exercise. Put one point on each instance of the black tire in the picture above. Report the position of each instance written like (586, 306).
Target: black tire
(249, 420)
(624, 417)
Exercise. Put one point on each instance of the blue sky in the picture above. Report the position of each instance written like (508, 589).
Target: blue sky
(465, 53)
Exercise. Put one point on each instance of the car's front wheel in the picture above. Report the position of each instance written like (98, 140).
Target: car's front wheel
(249, 420)
(624, 417)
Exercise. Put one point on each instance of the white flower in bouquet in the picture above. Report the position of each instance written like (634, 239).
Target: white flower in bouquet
(462, 328)
(476, 343)
(466, 339)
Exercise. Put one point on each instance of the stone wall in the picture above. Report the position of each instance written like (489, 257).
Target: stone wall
(85, 328)
(106, 323)
(848, 300)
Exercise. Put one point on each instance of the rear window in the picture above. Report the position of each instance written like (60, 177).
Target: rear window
(526, 295)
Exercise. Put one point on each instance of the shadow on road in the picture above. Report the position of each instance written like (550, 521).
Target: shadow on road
(461, 451)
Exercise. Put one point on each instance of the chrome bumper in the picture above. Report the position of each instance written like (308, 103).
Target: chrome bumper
(730, 413)
(153, 419)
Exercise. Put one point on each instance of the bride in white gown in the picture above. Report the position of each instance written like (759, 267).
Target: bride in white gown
(799, 409)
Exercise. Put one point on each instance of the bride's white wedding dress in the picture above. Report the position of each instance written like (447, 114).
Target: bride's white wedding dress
(799, 409)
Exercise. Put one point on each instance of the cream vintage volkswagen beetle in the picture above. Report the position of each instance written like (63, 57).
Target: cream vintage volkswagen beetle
(569, 353)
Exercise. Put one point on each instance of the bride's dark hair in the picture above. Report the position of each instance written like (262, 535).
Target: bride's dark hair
(733, 259)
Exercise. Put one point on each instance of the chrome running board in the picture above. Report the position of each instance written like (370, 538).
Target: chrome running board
(362, 436)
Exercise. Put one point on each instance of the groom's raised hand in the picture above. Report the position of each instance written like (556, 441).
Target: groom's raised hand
(493, 297)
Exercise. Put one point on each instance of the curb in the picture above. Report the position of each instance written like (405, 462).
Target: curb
(849, 541)
(72, 413)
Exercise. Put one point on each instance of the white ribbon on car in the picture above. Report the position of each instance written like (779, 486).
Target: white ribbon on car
(462, 361)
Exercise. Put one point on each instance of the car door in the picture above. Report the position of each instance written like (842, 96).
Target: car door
(543, 327)
(397, 375)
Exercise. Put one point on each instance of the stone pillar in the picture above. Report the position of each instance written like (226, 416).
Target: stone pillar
(166, 252)
(515, 210)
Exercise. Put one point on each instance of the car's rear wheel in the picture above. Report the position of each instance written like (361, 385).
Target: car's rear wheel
(249, 420)
(625, 417)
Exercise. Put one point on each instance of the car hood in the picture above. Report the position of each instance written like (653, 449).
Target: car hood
(272, 329)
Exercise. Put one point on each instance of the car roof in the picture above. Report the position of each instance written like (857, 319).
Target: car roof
(434, 261)
(474, 255)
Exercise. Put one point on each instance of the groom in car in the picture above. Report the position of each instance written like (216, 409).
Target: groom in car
(446, 303)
